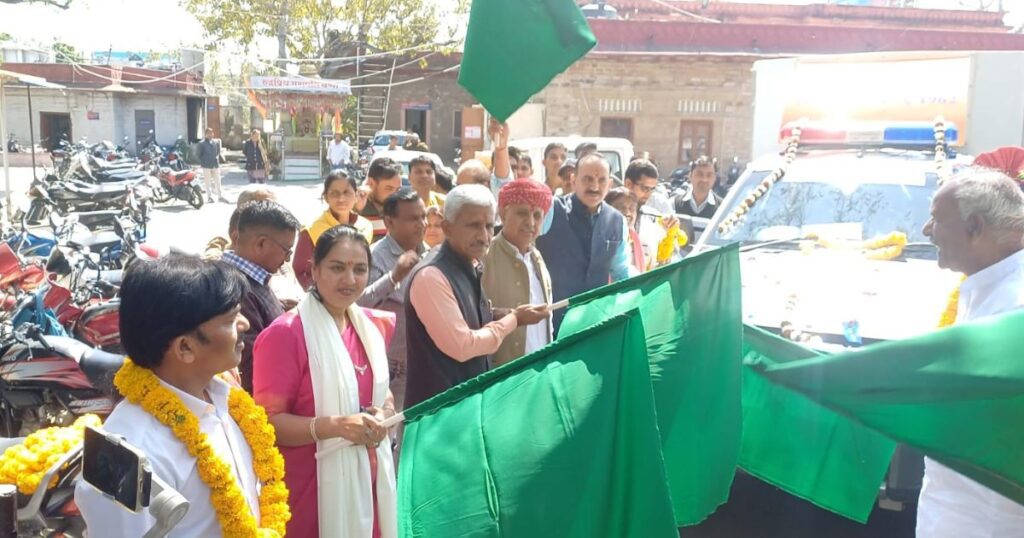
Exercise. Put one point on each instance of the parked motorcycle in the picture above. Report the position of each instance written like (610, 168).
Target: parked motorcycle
(51, 380)
(177, 184)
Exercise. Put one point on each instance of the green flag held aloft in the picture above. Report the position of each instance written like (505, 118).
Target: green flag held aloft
(561, 443)
(802, 447)
(957, 395)
(691, 315)
(515, 47)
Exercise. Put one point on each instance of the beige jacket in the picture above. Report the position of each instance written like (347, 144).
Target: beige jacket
(507, 285)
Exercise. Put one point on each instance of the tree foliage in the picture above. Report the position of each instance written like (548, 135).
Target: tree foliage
(309, 26)
(65, 54)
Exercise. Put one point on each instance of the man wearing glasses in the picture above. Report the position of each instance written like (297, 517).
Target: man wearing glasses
(654, 212)
(265, 238)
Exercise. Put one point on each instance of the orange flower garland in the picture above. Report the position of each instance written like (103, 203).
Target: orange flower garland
(952, 305)
(141, 387)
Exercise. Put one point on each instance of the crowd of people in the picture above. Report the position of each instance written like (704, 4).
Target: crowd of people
(394, 295)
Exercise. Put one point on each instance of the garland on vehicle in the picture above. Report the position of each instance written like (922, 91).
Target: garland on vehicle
(883, 247)
(941, 166)
(790, 154)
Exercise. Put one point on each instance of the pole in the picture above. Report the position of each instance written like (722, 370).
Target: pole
(7, 170)
(31, 131)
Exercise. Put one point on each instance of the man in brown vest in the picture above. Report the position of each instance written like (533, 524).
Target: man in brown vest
(514, 270)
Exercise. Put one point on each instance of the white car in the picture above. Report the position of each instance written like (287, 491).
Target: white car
(382, 140)
(404, 157)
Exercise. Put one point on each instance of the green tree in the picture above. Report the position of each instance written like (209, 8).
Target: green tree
(66, 54)
(305, 28)
(4, 36)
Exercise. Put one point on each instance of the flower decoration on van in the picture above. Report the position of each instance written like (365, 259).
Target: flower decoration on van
(762, 188)
(941, 167)
(883, 247)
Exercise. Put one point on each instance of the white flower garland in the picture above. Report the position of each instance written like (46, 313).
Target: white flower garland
(941, 166)
(767, 183)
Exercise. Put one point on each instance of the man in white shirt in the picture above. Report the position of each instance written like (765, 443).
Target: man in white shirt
(977, 223)
(179, 319)
(339, 154)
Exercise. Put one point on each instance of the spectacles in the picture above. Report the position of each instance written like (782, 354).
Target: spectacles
(287, 250)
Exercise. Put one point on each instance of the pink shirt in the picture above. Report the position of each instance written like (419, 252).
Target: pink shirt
(432, 297)
(282, 384)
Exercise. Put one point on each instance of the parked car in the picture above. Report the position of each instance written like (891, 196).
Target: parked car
(618, 151)
(404, 157)
(382, 140)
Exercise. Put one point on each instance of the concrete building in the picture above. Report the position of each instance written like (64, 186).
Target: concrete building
(677, 79)
(106, 103)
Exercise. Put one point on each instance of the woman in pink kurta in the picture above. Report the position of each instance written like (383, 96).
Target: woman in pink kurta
(283, 385)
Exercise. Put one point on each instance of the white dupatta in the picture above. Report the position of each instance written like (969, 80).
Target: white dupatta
(345, 504)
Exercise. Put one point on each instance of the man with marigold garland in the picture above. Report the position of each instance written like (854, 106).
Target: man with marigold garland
(181, 327)
(977, 223)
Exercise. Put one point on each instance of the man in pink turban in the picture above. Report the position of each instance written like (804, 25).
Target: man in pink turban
(514, 270)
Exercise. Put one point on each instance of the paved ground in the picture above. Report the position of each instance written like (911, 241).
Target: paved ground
(176, 224)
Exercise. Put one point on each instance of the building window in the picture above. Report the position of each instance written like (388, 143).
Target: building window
(457, 125)
(694, 140)
(617, 128)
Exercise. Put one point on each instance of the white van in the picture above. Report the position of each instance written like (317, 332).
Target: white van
(618, 151)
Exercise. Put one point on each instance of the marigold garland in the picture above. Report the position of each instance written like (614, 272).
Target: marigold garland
(952, 305)
(25, 464)
(141, 387)
(883, 247)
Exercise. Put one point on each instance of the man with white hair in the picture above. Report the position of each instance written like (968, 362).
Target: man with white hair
(977, 223)
(473, 172)
(451, 329)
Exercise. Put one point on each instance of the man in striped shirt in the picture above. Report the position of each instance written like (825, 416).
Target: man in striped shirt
(383, 179)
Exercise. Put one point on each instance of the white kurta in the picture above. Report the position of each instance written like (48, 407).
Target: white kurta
(952, 505)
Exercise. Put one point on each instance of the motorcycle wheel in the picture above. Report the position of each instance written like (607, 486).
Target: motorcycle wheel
(195, 197)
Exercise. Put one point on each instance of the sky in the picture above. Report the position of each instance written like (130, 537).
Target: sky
(163, 25)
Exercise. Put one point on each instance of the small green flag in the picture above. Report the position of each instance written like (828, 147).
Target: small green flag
(691, 315)
(798, 445)
(561, 443)
(515, 47)
(957, 395)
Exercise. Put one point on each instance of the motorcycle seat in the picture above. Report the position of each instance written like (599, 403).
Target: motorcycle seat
(99, 367)
(96, 241)
(119, 187)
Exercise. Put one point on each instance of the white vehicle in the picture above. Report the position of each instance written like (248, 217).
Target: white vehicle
(806, 273)
(618, 151)
(404, 157)
(382, 140)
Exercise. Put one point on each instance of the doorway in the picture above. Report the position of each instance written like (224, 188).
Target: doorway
(145, 127)
(54, 127)
(694, 140)
(416, 122)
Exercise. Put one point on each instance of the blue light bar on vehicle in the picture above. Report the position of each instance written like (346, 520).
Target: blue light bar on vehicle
(897, 134)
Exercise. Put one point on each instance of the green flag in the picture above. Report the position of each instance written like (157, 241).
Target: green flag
(515, 47)
(559, 443)
(802, 447)
(691, 315)
(957, 395)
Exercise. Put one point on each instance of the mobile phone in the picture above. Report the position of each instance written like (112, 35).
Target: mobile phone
(116, 468)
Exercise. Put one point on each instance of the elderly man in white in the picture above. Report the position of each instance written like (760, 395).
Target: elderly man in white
(977, 223)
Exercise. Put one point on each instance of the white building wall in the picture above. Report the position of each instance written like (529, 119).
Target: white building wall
(116, 113)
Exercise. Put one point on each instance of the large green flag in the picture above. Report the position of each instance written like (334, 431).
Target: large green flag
(515, 47)
(802, 447)
(561, 443)
(691, 315)
(957, 395)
